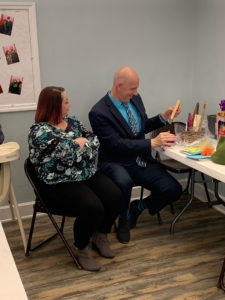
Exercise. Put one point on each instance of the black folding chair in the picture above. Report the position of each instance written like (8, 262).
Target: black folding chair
(39, 206)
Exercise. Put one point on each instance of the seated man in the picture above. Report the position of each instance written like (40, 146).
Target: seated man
(120, 122)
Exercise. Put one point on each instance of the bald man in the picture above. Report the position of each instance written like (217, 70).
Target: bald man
(120, 122)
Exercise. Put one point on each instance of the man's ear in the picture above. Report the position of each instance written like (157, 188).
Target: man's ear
(119, 85)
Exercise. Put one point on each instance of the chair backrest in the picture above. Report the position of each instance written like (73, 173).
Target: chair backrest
(31, 174)
(32, 177)
(36, 185)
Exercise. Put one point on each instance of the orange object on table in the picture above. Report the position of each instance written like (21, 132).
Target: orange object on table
(207, 151)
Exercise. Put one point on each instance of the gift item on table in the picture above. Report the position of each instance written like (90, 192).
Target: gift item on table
(203, 150)
(221, 128)
(198, 119)
(196, 123)
(198, 156)
(194, 126)
(212, 124)
(195, 112)
(174, 111)
(219, 155)
(190, 121)
(220, 120)
(190, 136)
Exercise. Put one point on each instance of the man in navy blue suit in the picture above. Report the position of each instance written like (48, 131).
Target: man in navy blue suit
(120, 122)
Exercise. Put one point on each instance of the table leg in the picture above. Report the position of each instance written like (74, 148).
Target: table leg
(206, 190)
(15, 206)
(187, 205)
(216, 189)
(11, 209)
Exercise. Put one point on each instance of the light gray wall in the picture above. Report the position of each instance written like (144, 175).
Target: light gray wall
(209, 56)
(83, 42)
(209, 53)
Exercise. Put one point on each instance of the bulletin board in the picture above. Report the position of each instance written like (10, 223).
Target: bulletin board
(19, 60)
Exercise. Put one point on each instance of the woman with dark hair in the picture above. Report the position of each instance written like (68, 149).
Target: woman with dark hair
(64, 153)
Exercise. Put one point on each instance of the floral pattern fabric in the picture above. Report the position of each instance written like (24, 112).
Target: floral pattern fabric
(57, 157)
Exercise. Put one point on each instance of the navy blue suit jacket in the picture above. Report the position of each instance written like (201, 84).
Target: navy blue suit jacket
(117, 141)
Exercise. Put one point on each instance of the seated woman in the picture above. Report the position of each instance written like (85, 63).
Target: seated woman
(63, 153)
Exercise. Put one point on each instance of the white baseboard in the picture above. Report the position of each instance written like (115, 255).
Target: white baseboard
(200, 194)
(26, 208)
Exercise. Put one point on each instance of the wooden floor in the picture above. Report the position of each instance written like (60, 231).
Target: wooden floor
(154, 265)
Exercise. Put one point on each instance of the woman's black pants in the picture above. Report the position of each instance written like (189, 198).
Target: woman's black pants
(95, 203)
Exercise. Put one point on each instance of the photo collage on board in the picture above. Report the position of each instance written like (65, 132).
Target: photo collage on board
(11, 55)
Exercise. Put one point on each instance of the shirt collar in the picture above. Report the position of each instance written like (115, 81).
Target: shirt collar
(116, 102)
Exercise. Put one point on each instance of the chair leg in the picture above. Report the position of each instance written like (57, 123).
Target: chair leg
(159, 218)
(59, 231)
(45, 241)
(64, 240)
(115, 226)
(62, 223)
(220, 283)
(172, 209)
(142, 193)
(31, 231)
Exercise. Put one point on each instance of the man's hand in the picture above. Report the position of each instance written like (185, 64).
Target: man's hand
(81, 141)
(167, 113)
(163, 139)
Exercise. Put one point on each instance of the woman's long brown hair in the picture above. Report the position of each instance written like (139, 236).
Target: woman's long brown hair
(49, 108)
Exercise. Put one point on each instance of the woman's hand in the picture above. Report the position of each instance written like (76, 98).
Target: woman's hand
(81, 141)
(163, 139)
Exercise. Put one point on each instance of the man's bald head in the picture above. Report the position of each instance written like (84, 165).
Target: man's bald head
(125, 84)
(125, 74)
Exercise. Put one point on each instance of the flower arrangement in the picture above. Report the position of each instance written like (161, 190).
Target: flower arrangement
(220, 120)
(222, 105)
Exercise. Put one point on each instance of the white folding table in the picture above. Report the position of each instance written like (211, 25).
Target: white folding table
(206, 166)
(11, 285)
(9, 152)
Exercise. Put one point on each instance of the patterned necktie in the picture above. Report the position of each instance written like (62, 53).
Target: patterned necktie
(133, 124)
